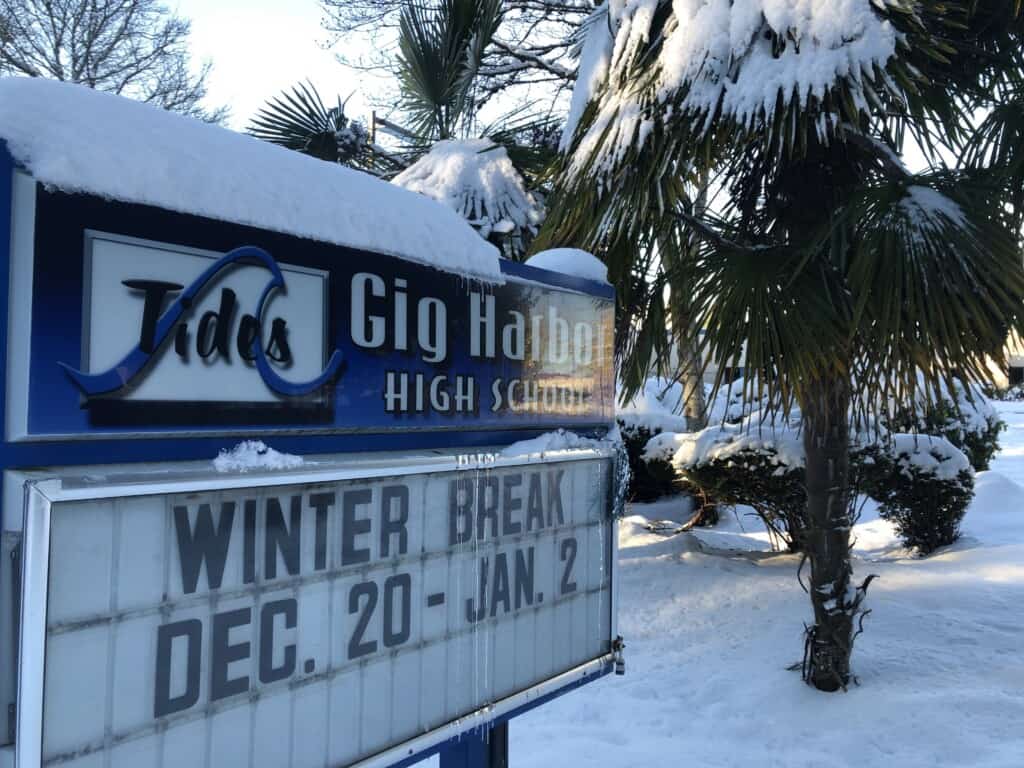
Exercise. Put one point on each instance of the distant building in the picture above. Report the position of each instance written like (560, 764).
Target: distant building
(1014, 374)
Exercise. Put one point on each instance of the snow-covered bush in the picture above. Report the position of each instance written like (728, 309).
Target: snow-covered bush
(648, 480)
(651, 413)
(742, 464)
(963, 416)
(924, 486)
(1013, 393)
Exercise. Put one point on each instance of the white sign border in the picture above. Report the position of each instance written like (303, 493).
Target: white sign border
(41, 495)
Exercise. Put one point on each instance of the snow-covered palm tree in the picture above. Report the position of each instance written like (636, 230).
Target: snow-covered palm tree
(842, 273)
(478, 172)
(477, 179)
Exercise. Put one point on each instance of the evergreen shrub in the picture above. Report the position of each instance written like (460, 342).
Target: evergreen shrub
(964, 417)
(924, 486)
(649, 480)
(730, 465)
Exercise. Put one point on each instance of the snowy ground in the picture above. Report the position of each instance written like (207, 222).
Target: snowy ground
(712, 621)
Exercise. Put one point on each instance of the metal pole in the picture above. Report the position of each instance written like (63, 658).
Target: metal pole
(499, 746)
(481, 748)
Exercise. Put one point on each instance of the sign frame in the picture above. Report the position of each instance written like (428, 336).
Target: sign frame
(42, 492)
(24, 518)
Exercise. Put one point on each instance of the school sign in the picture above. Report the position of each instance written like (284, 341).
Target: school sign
(400, 589)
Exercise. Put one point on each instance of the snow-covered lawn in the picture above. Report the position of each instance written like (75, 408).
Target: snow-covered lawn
(712, 621)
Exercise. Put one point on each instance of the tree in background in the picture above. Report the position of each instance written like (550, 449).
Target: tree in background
(530, 53)
(135, 48)
(489, 175)
(842, 275)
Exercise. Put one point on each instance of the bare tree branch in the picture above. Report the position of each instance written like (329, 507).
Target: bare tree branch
(136, 48)
(531, 59)
(536, 37)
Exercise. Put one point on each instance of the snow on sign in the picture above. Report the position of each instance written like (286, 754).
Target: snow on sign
(311, 624)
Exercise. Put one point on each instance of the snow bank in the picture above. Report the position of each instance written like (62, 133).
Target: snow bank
(477, 180)
(998, 507)
(655, 408)
(711, 635)
(571, 261)
(80, 140)
(254, 454)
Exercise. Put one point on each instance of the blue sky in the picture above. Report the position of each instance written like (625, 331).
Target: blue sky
(261, 47)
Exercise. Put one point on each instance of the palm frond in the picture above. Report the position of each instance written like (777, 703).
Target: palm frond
(937, 283)
(299, 120)
(997, 145)
(440, 49)
(531, 142)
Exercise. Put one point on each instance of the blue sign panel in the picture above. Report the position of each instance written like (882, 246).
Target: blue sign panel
(145, 322)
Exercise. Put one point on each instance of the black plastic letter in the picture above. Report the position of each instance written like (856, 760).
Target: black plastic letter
(192, 631)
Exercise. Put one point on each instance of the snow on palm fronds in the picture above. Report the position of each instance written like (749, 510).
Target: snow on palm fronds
(730, 53)
(740, 59)
(594, 55)
(931, 210)
(476, 178)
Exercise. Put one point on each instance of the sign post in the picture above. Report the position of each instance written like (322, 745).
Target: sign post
(420, 564)
(479, 749)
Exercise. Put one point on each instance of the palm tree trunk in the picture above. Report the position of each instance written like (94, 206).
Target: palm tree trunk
(692, 379)
(695, 405)
(826, 444)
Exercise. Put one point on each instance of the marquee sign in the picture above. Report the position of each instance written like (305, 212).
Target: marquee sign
(322, 620)
(411, 580)
(196, 327)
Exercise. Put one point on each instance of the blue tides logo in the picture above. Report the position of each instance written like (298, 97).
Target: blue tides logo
(190, 339)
